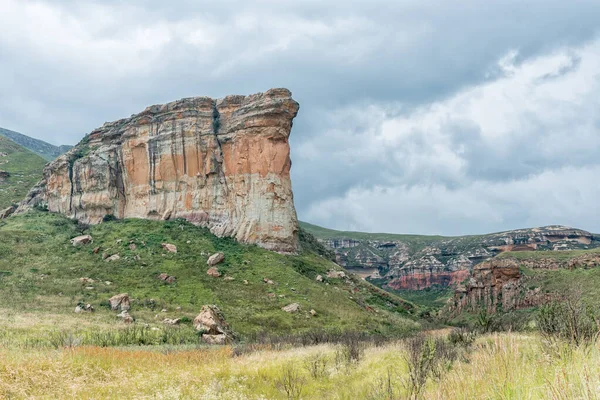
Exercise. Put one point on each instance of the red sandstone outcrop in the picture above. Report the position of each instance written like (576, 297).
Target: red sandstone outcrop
(224, 164)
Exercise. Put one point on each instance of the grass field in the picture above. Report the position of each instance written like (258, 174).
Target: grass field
(498, 366)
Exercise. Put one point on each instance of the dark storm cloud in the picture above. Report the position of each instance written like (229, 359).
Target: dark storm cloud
(356, 68)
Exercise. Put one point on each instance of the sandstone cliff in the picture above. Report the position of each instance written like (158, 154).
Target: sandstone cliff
(224, 164)
(410, 262)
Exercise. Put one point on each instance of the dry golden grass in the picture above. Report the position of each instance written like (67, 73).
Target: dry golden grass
(501, 366)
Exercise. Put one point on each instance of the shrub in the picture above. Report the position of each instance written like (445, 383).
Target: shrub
(317, 365)
(290, 382)
(570, 320)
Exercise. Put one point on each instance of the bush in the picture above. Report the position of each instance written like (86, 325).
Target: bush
(569, 319)
(290, 382)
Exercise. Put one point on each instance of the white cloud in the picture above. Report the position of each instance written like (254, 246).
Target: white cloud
(517, 151)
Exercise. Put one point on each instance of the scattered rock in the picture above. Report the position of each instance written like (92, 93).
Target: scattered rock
(271, 295)
(163, 310)
(313, 313)
(84, 308)
(229, 278)
(216, 340)
(89, 288)
(246, 282)
(108, 283)
(167, 278)
(114, 257)
(214, 272)
(86, 281)
(169, 321)
(215, 259)
(81, 240)
(212, 322)
(178, 308)
(319, 278)
(292, 308)
(132, 247)
(333, 274)
(96, 250)
(268, 281)
(120, 302)
(128, 319)
(7, 212)
(171, 248)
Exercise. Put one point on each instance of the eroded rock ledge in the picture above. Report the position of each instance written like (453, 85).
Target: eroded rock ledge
(224, 164)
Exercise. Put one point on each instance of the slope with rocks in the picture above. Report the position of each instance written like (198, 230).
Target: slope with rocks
(49, 281)
(224, 164)
(45, 150)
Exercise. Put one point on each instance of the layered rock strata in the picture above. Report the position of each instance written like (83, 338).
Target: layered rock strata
(224, 164)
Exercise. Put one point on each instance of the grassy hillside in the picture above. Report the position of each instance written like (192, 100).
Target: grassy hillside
(45, 150)
(25, 169)
(325, 233)
(40, 284)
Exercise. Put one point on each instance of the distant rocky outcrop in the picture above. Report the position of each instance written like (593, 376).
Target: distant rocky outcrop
(224, 164)
(409, 262)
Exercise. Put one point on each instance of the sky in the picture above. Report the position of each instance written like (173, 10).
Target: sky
(417, 116)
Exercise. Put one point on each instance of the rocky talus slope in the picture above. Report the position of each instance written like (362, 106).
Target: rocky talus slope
(223, 164)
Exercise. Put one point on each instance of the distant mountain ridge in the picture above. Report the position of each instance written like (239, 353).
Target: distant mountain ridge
(46, 150)
(416, 262)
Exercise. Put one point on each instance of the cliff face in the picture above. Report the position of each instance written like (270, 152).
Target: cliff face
(408, 262)
(224, 164)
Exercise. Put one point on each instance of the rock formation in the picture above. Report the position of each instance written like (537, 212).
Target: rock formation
(224, 164)
(416, 263)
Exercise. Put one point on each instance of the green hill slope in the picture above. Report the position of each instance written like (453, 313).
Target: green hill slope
(25, 169)
(45, 150)
(40, 273)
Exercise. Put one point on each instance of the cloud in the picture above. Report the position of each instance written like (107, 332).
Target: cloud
(518, 151)
(393, 93)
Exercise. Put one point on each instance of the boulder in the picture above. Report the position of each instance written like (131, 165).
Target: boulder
(84, 308)
(114, 257)
(215, 259)
(211, 321)
(333, 274)
(171, 248)
(217, 340)
(167, 278)
(81, 240)
(127, 318)
(214, 272)
(120, 302)
(7, 212)
(292, 308)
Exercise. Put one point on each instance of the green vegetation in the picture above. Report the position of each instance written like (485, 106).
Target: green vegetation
(25, 169)
(45, 150)
(41, 273)
(415, 241)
